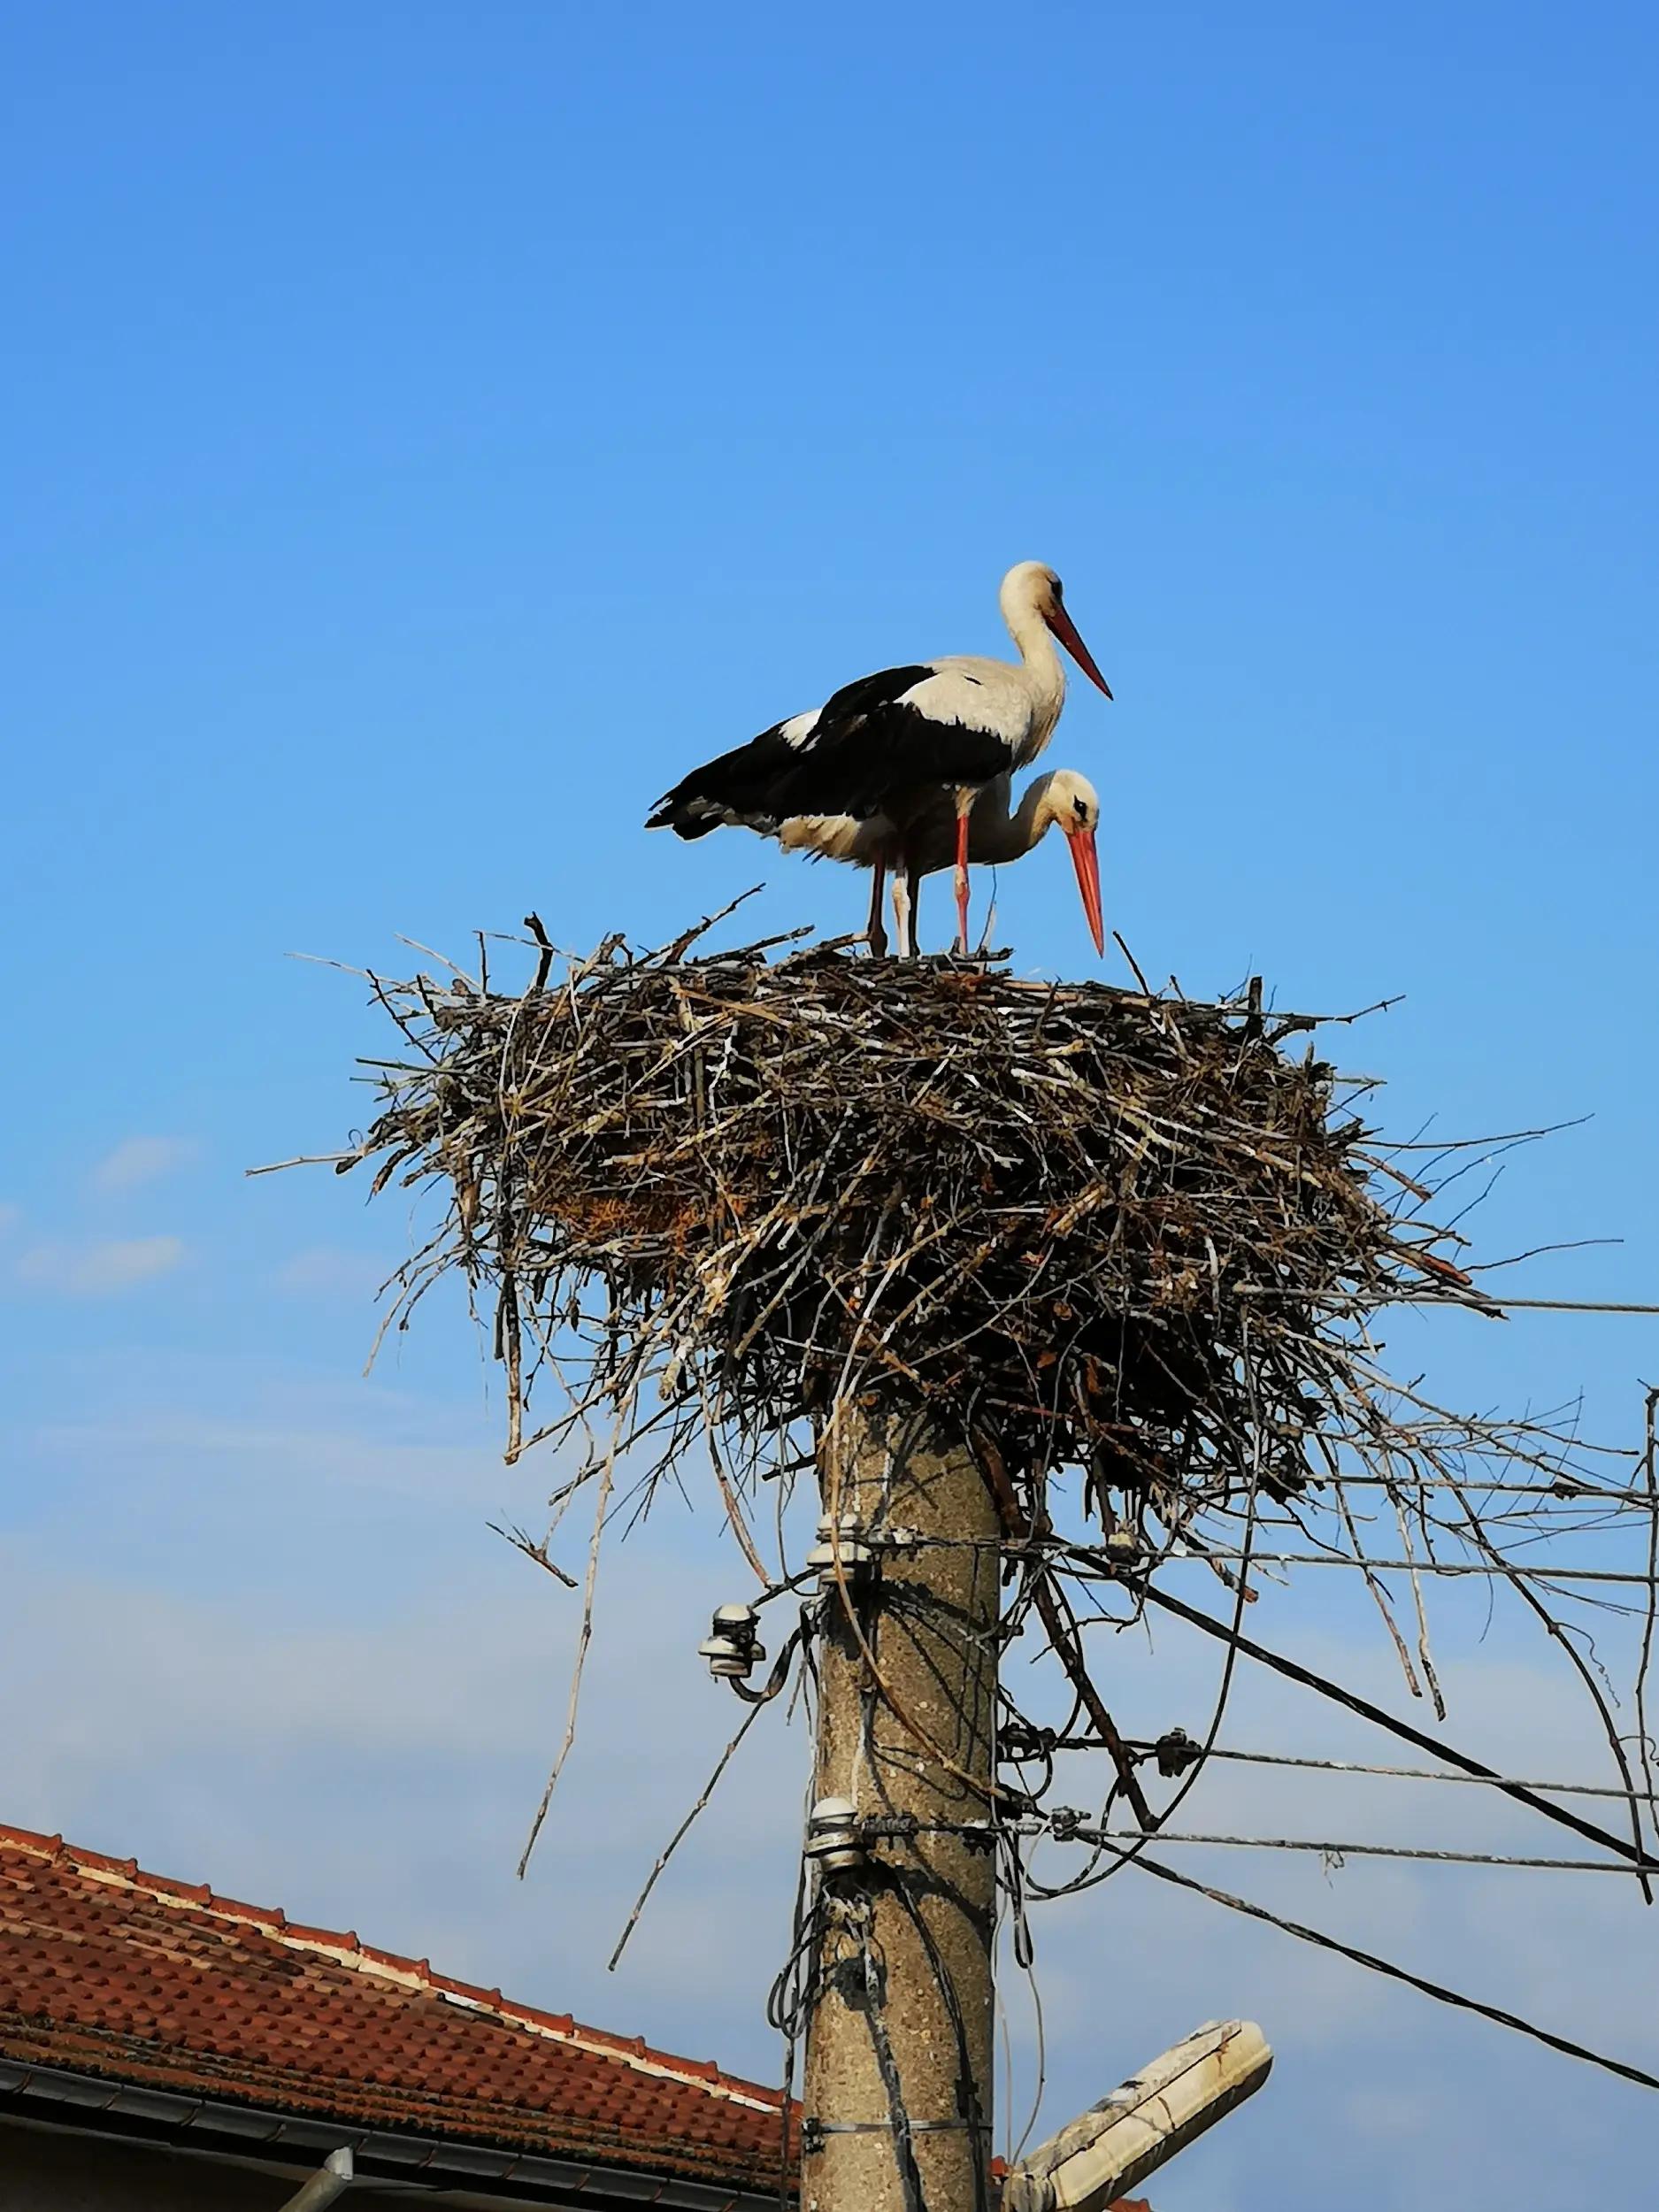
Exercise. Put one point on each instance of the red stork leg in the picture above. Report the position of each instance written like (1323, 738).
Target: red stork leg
(964, 803)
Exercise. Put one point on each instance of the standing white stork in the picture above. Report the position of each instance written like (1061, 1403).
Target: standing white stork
(892, 744)
(997, 832)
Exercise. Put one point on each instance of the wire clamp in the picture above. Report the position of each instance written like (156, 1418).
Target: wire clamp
(814, 2131)
(1175, 1751)
(897, 1539)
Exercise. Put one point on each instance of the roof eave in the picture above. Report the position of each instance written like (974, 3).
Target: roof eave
(98, 2104)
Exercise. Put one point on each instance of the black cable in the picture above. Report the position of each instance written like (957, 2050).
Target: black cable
(968, 2110)
(1436, 1990)
(785, 2008)
(1236, 1642)
(1366, 1710)
(886, 2065)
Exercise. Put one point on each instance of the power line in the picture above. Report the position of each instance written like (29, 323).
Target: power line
(1480, 1301)
(1410, 1566)
(1557, 1305)
(1403, 1774)
(1361, 1850)
(1436, 1990)
(1634, 1850)
(1566, 1489)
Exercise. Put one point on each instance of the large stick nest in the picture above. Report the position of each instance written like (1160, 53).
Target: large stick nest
(1091, 1227)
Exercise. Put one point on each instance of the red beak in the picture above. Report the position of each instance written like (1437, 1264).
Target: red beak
(1086, 860)
(1061, 623)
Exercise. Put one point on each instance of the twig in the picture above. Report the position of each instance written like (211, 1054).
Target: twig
(584, 1638)
(521, 1541)
(675, 1841)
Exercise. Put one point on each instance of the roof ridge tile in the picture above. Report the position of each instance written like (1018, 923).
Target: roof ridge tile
(233, 1909)
(325, 1939)
(346, 1948)
(31, 1840)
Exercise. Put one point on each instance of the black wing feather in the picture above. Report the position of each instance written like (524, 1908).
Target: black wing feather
(733, 789)
(872, 752)
(869, 753)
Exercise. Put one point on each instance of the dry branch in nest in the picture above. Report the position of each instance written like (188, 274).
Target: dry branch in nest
(1130, 1248)
(1096, 1229)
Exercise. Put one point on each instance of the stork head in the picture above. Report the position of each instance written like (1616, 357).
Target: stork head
(1031, 588)
(1073, 801)
(1070, 800)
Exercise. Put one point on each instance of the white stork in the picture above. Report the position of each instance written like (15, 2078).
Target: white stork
(997, 832)
(894, 744)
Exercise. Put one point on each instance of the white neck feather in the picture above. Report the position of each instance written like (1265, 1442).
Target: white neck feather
(1005, 836)
(1045, 672)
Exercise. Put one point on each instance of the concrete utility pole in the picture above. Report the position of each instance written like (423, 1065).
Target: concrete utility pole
(898, 2077)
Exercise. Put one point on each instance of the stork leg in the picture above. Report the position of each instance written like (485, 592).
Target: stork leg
(875, 935)
(961, 871)
(907, 894)
(903, 909)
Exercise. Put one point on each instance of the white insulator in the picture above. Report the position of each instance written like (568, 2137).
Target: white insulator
(832, 1835)
(845, 1549)
(732, 1648)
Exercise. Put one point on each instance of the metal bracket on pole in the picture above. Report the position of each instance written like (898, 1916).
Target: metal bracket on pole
(339, 2170)
(814, 2131)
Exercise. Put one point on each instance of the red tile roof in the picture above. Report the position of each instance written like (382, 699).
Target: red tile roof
(105, 1969)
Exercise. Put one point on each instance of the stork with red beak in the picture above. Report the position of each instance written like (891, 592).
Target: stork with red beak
(898, 745)
(997, 832)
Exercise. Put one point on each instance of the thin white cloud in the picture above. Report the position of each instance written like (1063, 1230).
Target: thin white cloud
(327, 1270)
(139, 1160)
(99, 1269)
(155, 1445)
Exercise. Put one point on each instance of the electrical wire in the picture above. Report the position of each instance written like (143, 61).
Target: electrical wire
(1403, 1774)
(1410, 1566)
(1336, 1851)
(1437, 1990)
(1354, 1703)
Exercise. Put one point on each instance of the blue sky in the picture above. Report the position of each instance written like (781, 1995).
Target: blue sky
(427, 431)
